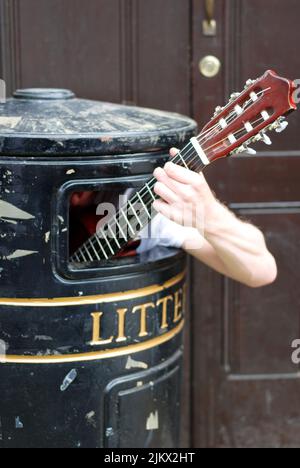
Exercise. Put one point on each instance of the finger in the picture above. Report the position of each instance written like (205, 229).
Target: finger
(183, 191)
(183, 175)
(161, 175)
(82, 198)
(173, 152)
(164, 192)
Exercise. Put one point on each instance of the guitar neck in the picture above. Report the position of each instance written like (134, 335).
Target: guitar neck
(244, 120)
(136, 214)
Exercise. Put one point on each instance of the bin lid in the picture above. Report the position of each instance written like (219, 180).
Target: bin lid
(39, 122)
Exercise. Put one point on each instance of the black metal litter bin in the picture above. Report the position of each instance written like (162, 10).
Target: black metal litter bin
(91, 357)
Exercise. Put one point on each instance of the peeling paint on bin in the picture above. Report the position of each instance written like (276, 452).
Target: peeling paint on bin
(71, 373)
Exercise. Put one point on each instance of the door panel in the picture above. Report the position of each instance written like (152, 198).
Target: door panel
(162, 61)
(266, 35)
(264, 413)
(260, 325)
(63, 49)
(242, 355)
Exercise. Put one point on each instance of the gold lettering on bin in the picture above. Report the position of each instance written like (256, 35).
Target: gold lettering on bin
(178, 298)
(121, 325)
(166, 315)
(143, 317)
(97, 340)
(164, 310)
(178, 305)
(184, 297)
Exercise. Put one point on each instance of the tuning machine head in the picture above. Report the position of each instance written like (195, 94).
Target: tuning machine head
(234, 96)
(251, 151)
(218, 111)
(282, 126)
(265, 138)
(279, 125)
(249, 83)
(245, 149)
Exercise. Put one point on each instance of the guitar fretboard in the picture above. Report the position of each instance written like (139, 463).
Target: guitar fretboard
(135, 215)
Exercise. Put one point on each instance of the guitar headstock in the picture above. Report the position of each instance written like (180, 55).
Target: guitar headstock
(248, 116)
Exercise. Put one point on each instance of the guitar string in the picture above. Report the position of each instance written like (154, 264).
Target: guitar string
(94, 240)
(153, 181)
(125, 239)
(233, 114)
(146, 203)
(210, 133)
(184, 155)
(191, 150)
(181, 154)
(150, 187)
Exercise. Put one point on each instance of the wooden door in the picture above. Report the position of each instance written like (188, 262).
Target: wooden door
(246, 391)
(240, 386)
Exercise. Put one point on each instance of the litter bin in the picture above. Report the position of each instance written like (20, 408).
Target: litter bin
(90, 356)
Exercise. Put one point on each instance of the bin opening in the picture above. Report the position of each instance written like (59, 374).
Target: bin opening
(89, 208)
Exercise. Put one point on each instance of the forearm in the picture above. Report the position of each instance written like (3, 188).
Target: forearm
(230, 246)
(235, 249)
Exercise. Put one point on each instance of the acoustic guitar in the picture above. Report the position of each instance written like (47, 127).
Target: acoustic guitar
(247, 118)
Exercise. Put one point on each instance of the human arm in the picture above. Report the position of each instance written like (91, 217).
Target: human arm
(227, 244)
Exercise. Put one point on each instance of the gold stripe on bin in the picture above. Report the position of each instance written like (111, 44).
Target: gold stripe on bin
(95, 355)
(97, 299)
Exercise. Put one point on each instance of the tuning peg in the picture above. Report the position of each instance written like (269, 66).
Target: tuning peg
(273, 126)
(257, 137)
(234, 96)
(266, 139)
(249, 83)
(242, 149)
(218, 110)
(250, 151)
(245, 149)
(281, 126)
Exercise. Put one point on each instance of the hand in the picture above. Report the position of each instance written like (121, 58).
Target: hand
(82, 199)
(185, 197)
(230, 246)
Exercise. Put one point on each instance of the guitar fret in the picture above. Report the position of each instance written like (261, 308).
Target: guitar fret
(114, 236)
(120, 228)
(101, 247)
(245, 117)
(135, 213)
(181, 157)
(146, 209)
(81, 253)
(87, 250)
(127, 221)
(106, 240)
(76, 257)
(96, 253)
(150, 191)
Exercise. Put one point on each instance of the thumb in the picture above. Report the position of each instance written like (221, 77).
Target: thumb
(173, 152)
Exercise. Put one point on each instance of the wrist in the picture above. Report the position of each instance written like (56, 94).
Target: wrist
(216, 218)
